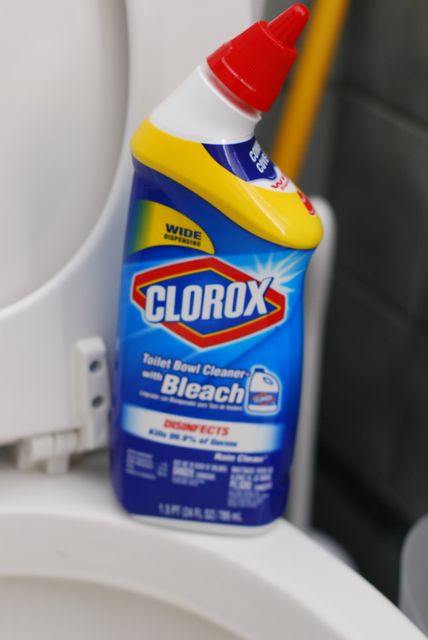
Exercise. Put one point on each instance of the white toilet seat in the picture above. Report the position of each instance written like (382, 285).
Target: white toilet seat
(73, 297)
(279, 585)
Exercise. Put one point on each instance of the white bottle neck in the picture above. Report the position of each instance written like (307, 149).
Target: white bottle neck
(201, 109)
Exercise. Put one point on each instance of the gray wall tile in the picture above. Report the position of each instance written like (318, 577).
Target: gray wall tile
(315, 177)
(388, 52)
(423, 308)
(375, 390)
(420, 291)
(372, 540)
(380, 193)
(364, 353)
(274, 8)
(411, 475)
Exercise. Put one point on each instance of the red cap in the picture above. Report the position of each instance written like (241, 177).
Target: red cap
(255, 64)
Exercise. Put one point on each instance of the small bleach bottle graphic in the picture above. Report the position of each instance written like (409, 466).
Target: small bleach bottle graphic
(263, 392)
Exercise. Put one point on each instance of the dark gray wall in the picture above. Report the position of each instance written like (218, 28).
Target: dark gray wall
(375, 393)
(369, 157)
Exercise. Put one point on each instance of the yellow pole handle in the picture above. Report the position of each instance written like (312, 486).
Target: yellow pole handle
(307, 88)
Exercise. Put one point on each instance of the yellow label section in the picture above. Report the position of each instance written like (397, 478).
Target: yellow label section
(161, 225)
(281, 218)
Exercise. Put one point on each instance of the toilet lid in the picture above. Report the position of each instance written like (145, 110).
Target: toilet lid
(63, 67)
(277, 585)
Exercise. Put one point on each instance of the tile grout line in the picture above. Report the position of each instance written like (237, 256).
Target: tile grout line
(371, 294)
(388, 110)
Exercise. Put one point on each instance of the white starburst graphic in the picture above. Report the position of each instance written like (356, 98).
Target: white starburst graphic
(282, 272)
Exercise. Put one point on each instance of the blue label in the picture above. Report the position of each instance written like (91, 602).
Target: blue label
(209, 358)
(247, 160)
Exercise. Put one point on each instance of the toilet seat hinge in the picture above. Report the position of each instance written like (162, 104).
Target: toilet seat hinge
(92, 395)
(91, 409)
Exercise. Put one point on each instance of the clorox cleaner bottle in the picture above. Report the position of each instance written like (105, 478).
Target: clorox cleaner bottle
(210, 331)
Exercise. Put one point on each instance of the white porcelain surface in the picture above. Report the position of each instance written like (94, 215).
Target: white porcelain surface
(81, 63)
(279, 585)
(63, 70)
(75, 610)
(414, 574)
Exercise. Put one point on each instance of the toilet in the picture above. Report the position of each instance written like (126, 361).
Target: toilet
(77, 77)
(72, 565)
